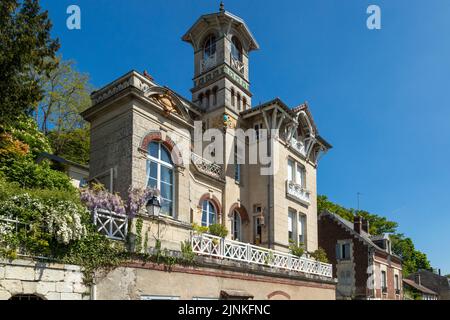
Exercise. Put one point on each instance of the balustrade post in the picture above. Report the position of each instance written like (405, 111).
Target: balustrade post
(249, 252)
(222, 247)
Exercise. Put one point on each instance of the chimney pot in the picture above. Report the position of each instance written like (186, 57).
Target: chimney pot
(365, 225)
(357, 224)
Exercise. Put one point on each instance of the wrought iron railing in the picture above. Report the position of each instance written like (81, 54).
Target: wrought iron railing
(207, 167)
(297, 192)
(209, 245)
(111, 224)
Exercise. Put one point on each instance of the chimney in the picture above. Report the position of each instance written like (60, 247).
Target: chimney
(417, 279)
(357, 224)
(365, 225)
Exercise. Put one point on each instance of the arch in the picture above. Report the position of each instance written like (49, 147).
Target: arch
(278, 293)
(156, 136)
(214, 201)
(241, 210)
(209, 45)
(236, 48)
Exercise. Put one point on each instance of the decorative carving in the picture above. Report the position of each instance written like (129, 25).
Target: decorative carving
(167, 102)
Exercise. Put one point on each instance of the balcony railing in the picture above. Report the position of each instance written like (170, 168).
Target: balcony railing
(208, 63)
(298, 146)
(208, 245)
(207, 167)
(111, 224)
(297, 192)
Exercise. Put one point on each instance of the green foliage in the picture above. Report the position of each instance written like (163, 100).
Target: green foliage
(413, 260)
(199, 229)
(71, 145)
(296, 249)
(138, 238)
(26, 54)
(377, 224)
(320, 255)
(67, 93)
(186, 251)
(218, 230)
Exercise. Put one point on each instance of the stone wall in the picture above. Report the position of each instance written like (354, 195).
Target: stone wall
(49, 281)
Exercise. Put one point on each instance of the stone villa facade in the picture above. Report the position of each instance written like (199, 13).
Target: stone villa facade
(197, 152)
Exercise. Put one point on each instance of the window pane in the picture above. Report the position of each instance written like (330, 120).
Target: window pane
(153, 170)
(166, 191)
(290, 169)
(299, 175)
(204, 218)
(165, 155)
(166, 207)
(166, 175)
(152, 183)
(153, 149)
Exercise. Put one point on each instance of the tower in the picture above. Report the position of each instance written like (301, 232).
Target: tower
(222, 43)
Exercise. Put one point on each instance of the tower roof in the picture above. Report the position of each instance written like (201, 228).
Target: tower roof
(224, 20)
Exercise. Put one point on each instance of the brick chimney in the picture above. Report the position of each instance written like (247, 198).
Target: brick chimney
(365, 225)
(357, 224)
(417, 279)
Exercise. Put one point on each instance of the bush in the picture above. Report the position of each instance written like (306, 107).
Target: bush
(320, 255)
(296, 249)
(218, 230)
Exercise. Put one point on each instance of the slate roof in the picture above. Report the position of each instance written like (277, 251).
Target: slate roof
(419, 287)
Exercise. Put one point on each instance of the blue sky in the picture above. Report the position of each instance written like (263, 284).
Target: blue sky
(380, 97)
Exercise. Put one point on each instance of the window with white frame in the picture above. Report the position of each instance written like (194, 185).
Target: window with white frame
(383, 280)
(160, 175)
(291, 219)
(296, 173)
(301, 228)
(208, 213)
(236, 225)
(343, 251)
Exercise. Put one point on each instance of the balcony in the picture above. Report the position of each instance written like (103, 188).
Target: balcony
(298, 146)
(208, 63)
(298, 193)
(207, 167)
(209, 245)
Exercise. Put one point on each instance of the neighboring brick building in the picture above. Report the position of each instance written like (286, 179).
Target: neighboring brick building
(433, 281)
(364, 264)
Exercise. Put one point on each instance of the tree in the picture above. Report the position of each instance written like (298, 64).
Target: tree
(413, 260)
(71, 145)
(27, 53)
(67, 93)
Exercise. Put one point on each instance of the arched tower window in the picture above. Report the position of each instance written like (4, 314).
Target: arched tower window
(200, 99)
(160, 175)
(244, 103)
(236, 49)
(209, 213)
(209, 46)
(207, 98)
(214, 92)
(239, 101)
(232, 98)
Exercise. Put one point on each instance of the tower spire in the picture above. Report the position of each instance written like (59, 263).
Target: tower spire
(221, 7)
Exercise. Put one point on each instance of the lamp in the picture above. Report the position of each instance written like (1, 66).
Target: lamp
(153, 206)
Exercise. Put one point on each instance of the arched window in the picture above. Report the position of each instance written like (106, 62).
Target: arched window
(232, 97)
(214, 92)
(236, 223)
(209, 213)
(239, 101)
(207, 98)
(236, 49)
(160, 175)
(209, 46)
(200, 99)
(244, 103)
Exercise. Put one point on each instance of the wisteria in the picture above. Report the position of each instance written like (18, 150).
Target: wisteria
(137, 198)
(98, 198)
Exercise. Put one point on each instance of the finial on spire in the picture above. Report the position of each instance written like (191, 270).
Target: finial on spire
(222, 6)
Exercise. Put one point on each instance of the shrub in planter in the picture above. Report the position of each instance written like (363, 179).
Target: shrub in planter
(320, 255)
(218, 230)
(296, 249)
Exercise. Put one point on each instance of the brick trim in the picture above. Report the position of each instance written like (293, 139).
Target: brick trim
(167, 142)
(279, 293)
(241, 210)
(214, 201)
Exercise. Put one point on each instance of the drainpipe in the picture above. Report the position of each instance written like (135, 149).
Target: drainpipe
(93, 290)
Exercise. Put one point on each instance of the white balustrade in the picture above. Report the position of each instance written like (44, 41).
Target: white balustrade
(111, 224)
(297, 192)
(206, 166)
(209, 245)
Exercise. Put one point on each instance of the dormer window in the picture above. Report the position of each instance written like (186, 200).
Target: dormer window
(236, 49)
(209, 47)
